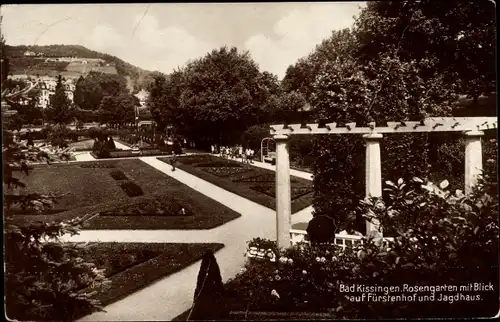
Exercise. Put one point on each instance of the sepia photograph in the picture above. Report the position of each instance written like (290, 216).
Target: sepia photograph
(250, 161)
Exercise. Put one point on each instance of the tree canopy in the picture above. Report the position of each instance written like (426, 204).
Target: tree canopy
(90, 90)
(117, 109)
(399, 61)
(214, 98)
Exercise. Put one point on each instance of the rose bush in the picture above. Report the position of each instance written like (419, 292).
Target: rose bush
(439, 237)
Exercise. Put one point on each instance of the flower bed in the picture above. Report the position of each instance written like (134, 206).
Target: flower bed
(219, 163)
(96, 165)
(151, 207)
(131, 189)
(270, 190)
(118, 175)
(225, 171)
(193, 159)
(255, 183)
(257, 178)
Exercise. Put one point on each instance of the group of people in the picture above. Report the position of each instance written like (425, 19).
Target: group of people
(234, 152)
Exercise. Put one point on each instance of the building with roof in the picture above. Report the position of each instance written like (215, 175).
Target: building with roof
(143, 97)
(47, 86)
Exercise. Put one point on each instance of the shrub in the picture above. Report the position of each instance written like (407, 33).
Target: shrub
(43, 279)
(159, 142)
(97, 146)
(59, 136)
(252, 137)
(132, 189)
(118, 175)
(101, 149)
(301, 148)
(111, 143)
(321, 229)
(209, 300)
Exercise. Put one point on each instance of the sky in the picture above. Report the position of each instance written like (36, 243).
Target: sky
(163, 36)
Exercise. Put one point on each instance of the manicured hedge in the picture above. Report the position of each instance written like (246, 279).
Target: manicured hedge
(166, 206)
(118, 175)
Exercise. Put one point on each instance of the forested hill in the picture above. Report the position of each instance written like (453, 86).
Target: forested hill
(137, 75)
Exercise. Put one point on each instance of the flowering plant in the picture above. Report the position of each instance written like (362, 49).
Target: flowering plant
(438, 238)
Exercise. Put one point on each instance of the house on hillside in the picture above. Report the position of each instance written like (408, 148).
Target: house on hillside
(143, 97)
(47, 86)
(29, 53)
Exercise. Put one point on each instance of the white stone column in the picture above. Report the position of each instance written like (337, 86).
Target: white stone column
(473, 158)
(373, 173)
(283, 192)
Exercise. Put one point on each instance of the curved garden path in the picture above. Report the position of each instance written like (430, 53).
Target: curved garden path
(173, 294)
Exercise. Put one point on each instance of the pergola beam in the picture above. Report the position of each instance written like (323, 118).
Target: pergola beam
(470, 126)
(433, 124)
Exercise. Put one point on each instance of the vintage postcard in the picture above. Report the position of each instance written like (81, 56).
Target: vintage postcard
(250, 161)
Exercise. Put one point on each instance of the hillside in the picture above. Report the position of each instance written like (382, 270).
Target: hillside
(96, 61)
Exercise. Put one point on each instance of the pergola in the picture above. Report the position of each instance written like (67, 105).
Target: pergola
(472, 128)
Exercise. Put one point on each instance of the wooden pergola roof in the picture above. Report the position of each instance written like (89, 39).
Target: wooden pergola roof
(432, 124)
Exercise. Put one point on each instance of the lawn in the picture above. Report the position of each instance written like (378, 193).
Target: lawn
(250, 182)
(123, 194)
(133, 266)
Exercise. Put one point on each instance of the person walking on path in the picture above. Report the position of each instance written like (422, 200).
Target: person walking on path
(173, 160)
(250, 157)
(240, 153)
(246, 155)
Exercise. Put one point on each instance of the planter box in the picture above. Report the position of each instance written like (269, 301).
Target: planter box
(262, 254)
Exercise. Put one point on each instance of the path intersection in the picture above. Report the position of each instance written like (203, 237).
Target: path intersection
(173, 294)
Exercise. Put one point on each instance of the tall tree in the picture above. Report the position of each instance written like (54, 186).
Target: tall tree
(4, 67)
(45, 278)
(401, 62)
(164, 99)
(209, 302)
(222, 96)
(301, 76)
(60, 110)
(116, 110)
(90, 90)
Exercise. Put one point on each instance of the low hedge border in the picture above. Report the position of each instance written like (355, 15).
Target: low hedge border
(132, 189)
(174, 257)
(118, 175)
(243, 189)
(130, 153)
